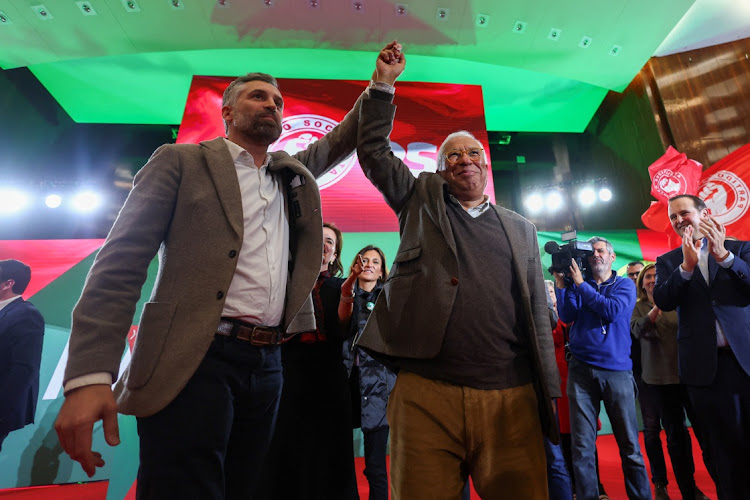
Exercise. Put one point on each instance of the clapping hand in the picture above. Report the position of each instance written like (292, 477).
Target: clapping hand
(691, 250)
(715, 234)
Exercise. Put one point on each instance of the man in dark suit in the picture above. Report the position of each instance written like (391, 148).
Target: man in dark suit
(464, 318)
(238, 232)
(707, 280)
(21, 335)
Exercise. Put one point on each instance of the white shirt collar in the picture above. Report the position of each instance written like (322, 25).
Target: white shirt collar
(236, 151)
(8, 301)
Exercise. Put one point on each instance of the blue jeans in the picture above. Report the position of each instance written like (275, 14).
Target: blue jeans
(210, 441)
(588, 386)
(558, 480)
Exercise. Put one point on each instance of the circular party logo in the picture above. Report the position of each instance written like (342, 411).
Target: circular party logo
(668, 183)
(299, 131)
(726, 196)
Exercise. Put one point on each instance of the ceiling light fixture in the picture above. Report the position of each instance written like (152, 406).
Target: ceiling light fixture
(482, 20)
(131, 6)
(401, 9)
(86, 8)
(4, 19)
(442, 14)
(519, 26)
(42, 12)
(554, 34)
(358, 6)
(585, 42)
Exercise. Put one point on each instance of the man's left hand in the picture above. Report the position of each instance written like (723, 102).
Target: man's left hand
(715, 233)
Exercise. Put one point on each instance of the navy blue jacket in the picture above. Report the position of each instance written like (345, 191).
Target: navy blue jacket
(375, 380)
(726, 300)
(21, 336)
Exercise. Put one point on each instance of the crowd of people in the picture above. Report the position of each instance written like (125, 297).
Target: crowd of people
(256, 355)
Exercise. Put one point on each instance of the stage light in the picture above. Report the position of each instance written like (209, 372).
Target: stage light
(586, 197)
(605, 194)
(12, 200)
(53, 200)
(534, 203)
(553, 201)
(86, 201)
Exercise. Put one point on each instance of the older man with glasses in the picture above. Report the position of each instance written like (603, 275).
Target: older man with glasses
(464, 318)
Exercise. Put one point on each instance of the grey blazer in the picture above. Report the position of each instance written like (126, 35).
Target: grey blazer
(186, 206)
(411, 315)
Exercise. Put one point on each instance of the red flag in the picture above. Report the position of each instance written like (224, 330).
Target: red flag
(724, 188)
(672, 174)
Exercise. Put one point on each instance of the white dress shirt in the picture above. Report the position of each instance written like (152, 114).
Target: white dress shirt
(258, 289)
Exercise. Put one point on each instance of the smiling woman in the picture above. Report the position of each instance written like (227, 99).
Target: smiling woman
(370, 382)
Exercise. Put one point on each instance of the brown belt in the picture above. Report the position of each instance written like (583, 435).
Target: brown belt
(255, 334)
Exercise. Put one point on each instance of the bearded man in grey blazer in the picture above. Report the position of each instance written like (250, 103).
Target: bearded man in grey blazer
(464, 319)
(238, 233)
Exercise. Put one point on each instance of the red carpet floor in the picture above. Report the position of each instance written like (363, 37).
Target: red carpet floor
(609, 465)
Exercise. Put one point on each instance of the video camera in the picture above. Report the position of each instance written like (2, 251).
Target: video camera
(562, 255)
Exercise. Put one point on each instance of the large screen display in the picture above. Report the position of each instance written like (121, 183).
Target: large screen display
(427, 113)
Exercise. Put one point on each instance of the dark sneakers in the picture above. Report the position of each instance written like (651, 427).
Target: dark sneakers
(660, 492)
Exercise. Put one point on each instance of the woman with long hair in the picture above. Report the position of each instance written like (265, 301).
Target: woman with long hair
(370, 381)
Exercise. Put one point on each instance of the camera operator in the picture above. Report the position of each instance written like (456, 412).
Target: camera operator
(600, 305)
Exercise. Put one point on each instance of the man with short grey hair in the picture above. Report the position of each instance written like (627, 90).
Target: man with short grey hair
(474, 387)
(599, 306)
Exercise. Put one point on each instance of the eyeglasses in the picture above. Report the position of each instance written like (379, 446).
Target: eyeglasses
(634, 274)
(454, 156)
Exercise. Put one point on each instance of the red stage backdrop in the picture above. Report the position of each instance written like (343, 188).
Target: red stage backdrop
(427, 113)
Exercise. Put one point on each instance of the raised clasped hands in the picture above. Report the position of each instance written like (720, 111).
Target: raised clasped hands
(715, 234)
(390, 64)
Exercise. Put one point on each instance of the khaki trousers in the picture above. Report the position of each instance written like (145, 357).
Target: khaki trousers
(443, 433)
